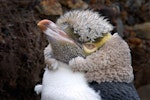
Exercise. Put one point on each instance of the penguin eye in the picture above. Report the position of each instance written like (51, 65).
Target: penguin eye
(89, 29)
(75, 31)
(72, 33)
(97, 39)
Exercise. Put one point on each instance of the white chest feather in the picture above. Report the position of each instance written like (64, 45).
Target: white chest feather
(63, 84)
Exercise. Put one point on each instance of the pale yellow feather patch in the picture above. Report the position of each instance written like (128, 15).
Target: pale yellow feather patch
(91, 47)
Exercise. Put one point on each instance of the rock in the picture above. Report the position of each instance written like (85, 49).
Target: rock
(134, 4)
(21, 59)
(128, 32)
(49, 7)
(141, 62)
(130, 20)
(112, 12)
(142, 30)
(2, 41)
(74, 4)
(144, 92)
(124, 15)
(145, 9)
(134, 42)
(23, 2)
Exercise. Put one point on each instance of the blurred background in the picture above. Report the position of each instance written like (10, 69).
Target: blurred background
(22, 44)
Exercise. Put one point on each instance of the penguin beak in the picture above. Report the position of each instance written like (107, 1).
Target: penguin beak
(53, 32)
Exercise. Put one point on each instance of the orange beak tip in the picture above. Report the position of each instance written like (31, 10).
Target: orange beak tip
(43, 24)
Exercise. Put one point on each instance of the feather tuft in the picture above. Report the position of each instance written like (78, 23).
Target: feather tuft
(87, 24)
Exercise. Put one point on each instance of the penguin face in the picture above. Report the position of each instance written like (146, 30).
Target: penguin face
(87, 28)
(88, 46)
(76, 33)
(64, 48)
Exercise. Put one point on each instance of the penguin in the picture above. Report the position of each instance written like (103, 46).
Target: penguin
(59, 82)
(103, 57)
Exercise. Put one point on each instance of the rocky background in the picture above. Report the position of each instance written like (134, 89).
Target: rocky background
(22, 44)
